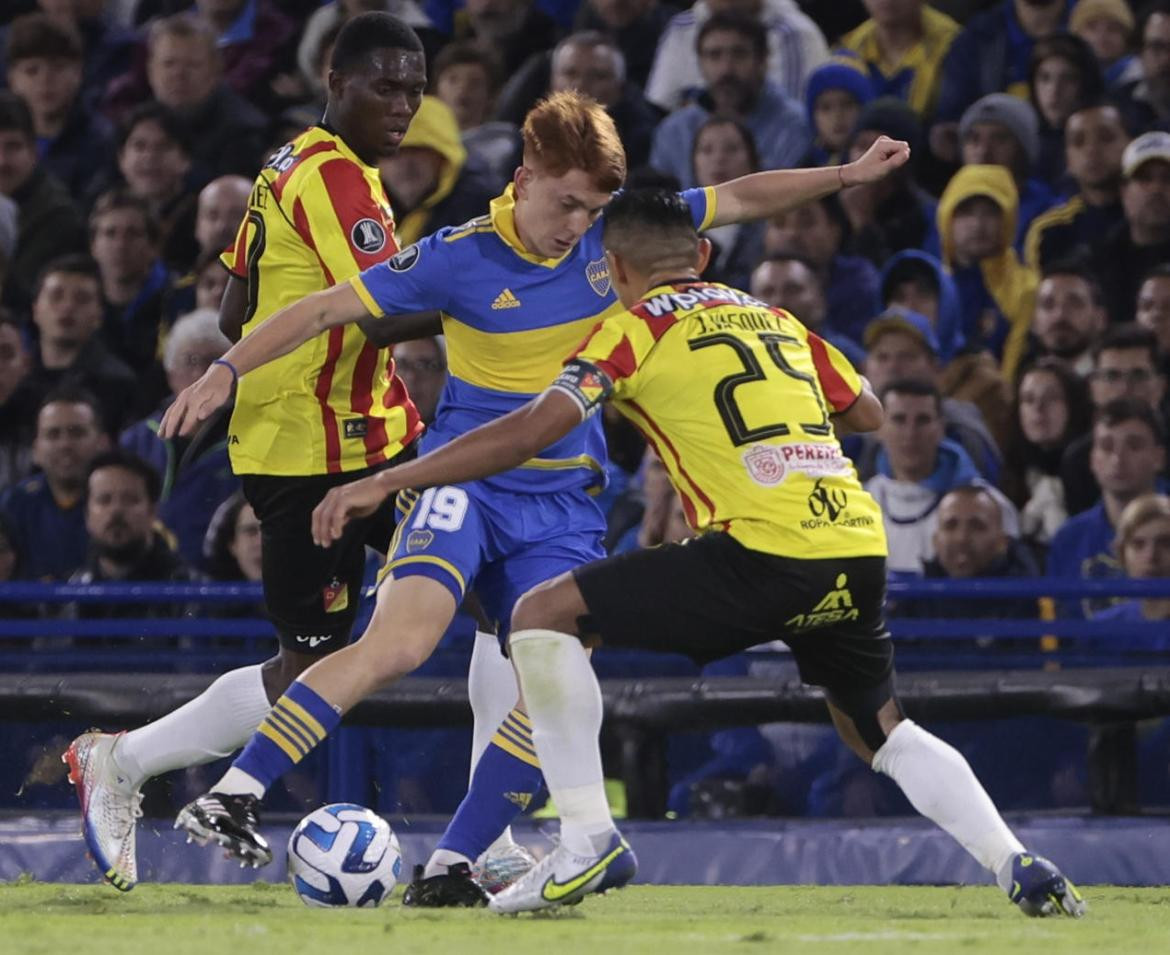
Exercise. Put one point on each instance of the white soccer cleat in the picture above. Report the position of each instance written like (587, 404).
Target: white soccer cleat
(499, 868)
(564, 878)
(110, 807)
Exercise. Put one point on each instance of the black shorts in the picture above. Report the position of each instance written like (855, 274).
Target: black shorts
(312, 593)
(711, 597)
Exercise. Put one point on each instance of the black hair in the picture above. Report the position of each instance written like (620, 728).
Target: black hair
(368, 32)
(745, 26)
(1079, 267)
(165, 117)
(745, 134)
(659, 210)
(789, 257)
(917, 387)
(1159, 271)
(1124, 337)
(909, 269)
(221, 563)
(14, 115)
(464, 53)
(69, 392)
(1070, 47)
(1121, 410)
(120, 458)
(75, 263)
(34, 35)
(120, 198)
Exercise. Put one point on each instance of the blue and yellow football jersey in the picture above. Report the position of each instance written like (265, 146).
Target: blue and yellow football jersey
(511, 319)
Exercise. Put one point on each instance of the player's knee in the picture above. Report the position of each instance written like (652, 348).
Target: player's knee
(541, 608)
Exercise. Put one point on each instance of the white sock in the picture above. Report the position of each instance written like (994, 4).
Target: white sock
(236, 782)
(563, 699)
(493, 691)
(940, 784)
(214, 724)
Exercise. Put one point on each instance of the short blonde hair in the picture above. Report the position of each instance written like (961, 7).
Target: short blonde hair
(1138, 512)
(569, 130)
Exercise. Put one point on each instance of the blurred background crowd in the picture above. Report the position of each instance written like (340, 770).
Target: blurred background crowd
(1007, 292)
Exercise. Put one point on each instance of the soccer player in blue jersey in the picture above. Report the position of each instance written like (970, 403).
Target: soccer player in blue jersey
(518, 289)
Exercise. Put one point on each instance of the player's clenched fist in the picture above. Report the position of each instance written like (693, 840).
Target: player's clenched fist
(196, 402)
(359, 499)
(877, 162)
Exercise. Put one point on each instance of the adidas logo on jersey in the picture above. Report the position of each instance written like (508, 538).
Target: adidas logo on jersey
(505, 300)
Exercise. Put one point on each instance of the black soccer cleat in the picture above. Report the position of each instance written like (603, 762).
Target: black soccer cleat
(454, 890)
(230, 821)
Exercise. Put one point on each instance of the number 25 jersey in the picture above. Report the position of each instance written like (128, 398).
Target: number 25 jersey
(735, 397)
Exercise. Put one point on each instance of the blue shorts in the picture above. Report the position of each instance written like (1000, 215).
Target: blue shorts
(501, 543)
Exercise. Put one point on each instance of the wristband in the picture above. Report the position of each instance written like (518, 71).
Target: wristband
(841, 176)
(230, 367)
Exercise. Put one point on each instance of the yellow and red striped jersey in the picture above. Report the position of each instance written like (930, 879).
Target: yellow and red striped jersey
(317, 216)
(735, 397)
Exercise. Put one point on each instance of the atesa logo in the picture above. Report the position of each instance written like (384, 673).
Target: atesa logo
(368, 236)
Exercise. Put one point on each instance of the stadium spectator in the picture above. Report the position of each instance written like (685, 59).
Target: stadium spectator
(44, 512)
(976, 225)
(732, 58)
(513, 29)
(184, 72)
(1125, 365)
(221, 208)
(896, 213)
(8, 556)
(49, 223)
(211, 280)
(125, 542)
(196, 474)
(917, 281)
(818, 232)
(254, 39)
(593, 64)
(1094, 140)
(635, 25)
(970, 541)
(1064, 77)
(793, 47)
(1145, 100)
(1108, 27)
(1001, 130)
(1128, 457)
(724, 150)
(902, 345)
(1153, 308)
(44, 61)
(422, 365)
(902, 46)
(431, 180)
(991, 54)
(67, 312)
(1052, 409)
(790, 282)
(1069, 315)
(834, 99)
(466, 77)
(17, 404)
(1142, 240)
(916, 465)
(124, 242)
(1143, 550)
(232, 547)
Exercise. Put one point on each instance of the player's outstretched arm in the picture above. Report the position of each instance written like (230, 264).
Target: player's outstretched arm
(766, 194)
(277, 335)
(498, 446)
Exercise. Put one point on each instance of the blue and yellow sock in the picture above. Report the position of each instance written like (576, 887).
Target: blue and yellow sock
(297, 722)
(506, 779)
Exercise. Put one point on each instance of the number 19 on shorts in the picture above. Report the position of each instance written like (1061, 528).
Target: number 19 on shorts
(441, 509)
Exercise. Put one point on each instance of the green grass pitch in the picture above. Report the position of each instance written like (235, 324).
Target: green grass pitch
(869, 920)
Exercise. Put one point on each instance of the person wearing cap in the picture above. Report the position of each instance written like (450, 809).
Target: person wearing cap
(431, 180)
(1142, 239)
(1145, 101)
(991, 54)
(1108, 27)
(899, 213)
(1094, 139)
(903, 344)
(835, 96)
(976, 225)
(902, 46)
(1064, 77)
(1001, 130)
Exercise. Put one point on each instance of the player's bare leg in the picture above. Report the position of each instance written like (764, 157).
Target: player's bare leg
(940, 784)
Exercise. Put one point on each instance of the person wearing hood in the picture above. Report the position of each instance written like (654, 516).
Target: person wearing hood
(1001, 130)
(431, 180)
(916, 466)
(976, 225)
(1064, 77)
(836, 94)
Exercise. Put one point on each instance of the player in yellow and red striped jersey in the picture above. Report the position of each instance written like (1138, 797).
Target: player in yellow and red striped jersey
(331, 411)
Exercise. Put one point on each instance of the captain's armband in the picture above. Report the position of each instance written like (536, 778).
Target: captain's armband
(586, 384)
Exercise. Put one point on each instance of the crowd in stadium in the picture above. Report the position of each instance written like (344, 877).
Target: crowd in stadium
(1007, 293)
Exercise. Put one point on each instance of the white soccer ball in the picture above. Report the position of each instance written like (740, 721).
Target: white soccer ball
(343, 855)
